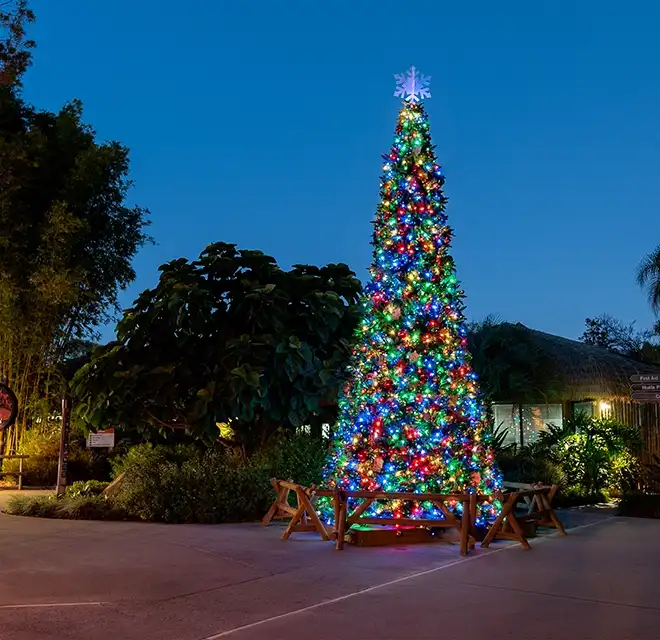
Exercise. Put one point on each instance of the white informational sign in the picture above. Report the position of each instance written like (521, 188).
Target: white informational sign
(105, 439)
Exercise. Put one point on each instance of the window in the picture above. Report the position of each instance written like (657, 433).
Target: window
(506, 417)
(586, 408)
(535, 418)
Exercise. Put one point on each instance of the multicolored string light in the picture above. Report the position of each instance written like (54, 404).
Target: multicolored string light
(410, 416)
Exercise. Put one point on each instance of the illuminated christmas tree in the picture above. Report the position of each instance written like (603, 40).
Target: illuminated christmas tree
(410, 417)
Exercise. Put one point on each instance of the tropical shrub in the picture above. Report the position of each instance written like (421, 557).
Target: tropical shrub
(591, 459)
(186, 483)
(86, 488)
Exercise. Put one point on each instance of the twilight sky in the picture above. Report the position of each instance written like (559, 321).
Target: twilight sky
(262, 123)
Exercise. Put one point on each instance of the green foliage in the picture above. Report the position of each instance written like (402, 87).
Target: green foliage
(593, 456)
(71, 507)
(228, 338)
(34, 506)
(189, 484)
(66, 244)
(589, 458)
(495, 436)
(298, 457)
(86, 488)
(15, 48)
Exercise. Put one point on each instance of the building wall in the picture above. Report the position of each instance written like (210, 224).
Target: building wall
(534, 418)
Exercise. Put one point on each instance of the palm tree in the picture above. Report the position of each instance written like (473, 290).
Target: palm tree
(648, 277)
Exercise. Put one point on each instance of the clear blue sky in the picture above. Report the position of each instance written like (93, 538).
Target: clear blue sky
(262, 123)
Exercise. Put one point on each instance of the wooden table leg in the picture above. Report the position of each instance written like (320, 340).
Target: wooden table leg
(341, 525)
(465, 527)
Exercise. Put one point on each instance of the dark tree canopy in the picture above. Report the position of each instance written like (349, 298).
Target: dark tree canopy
(14, 46)
(625, 339)
(230, 337)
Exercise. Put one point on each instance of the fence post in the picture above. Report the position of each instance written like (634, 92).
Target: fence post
(63, 461)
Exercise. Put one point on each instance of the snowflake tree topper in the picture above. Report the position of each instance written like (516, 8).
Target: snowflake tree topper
(412, 85)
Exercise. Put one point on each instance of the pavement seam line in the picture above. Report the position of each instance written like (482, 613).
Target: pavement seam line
(546, 594)
(46, 605)
(258, 623)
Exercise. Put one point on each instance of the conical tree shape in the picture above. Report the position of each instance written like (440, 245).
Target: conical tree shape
(410, 416)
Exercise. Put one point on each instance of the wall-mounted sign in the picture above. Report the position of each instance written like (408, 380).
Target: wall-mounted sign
(8, 406)
(102, 439)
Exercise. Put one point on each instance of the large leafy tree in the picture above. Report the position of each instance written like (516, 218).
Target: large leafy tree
(228, 338)
(15, 47)
(67, 238)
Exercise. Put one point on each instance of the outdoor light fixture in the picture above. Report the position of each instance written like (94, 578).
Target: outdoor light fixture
(605, 406)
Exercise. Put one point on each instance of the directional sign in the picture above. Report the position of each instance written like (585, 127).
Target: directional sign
(645, 377)
(643, 396)
(653, 387)
(102, 439)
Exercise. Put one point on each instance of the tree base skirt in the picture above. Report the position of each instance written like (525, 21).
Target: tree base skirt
(383, 536)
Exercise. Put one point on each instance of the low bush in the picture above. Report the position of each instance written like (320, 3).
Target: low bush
(35, 506)
(185, 484)
(76, 507)
(85, 488)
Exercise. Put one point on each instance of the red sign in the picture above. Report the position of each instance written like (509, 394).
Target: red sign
(8, 406)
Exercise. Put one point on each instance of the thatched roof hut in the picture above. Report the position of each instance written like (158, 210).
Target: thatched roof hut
(583, 371)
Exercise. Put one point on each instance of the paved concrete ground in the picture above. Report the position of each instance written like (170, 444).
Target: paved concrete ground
(93, 580)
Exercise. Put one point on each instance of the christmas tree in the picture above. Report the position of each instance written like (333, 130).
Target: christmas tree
(410, 417)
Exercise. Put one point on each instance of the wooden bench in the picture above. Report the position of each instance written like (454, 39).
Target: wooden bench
(20, 473)
(303, 516)
(509, 526)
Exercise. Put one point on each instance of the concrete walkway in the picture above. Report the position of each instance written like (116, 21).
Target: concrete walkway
(94, 580)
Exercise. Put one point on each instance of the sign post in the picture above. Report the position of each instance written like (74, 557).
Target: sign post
(63, 462)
